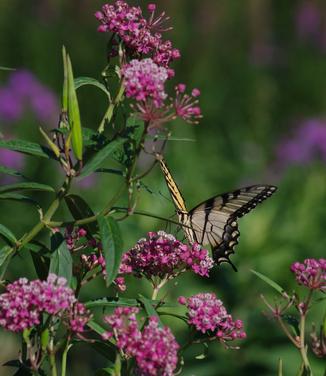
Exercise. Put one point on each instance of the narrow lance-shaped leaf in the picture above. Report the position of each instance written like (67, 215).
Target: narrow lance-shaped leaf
(26, 187)
(112, 247)
(96, 161)
(61, 260)
(6, 254)
(65, 81)
(81, 81)
(9, 171)
(7, 68)
(80, 209)
(20, 198)
(7, 234)
(273, 284)
(74, 115)
(27, 147)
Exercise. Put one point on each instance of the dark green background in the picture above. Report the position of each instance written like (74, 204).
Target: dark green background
(249, 104)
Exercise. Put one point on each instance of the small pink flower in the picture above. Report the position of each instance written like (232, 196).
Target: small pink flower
(186, 106)
(209, 316)
(154, 349)
(139, 35)
(311, 273)
(144, 80)
(161, 255)
(24, 302)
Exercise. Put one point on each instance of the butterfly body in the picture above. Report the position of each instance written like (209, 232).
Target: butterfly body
(214, 221)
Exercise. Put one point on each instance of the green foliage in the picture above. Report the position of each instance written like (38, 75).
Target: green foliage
(112, 247)
(61, 260)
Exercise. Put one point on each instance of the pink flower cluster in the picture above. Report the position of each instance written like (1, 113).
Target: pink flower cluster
(139, 35)
(24, 302)
(144, 80)
(208, 315)
(183, 105)
(154, 349)
(161, 255)
(311, 273)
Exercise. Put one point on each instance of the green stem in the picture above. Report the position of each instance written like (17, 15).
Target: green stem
(109, 113)
(47, 216)
(53, 365)
(303, 348)
(64, 359)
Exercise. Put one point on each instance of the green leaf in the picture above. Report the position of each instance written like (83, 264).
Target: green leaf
(97, 159)
(106, 371)
(6, 254)
(106, 349)
(122, 302)
(61, 260)
(41, 264)
(7, 69)
(112, 247)
(113, 171)
(273, 284)
(150, 310)
(7, 234)
(27, 147)
(31, 186)
(112, 302)
(65, 81)
(79, 209)
(19, 197)
(74, 115)
(96, 327)
(132, 135)
(9, 171)
(82, 81)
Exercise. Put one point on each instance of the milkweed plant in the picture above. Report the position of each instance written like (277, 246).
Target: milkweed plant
(47, 312)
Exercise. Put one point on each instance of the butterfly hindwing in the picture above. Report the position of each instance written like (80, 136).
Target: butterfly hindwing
(214, 221)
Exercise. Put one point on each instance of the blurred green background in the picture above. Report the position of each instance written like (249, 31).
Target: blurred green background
(260, 65)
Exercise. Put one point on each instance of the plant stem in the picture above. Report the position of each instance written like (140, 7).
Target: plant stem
(109, 113)
(47, 216)
(303, 349)
(286, 331)
(52, 359)
(64, 359)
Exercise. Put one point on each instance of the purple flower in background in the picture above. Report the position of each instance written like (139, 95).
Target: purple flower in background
(12, 160)
(25, 93)
(309, 23)
(308, 142)
(11, 107)
(308, 20)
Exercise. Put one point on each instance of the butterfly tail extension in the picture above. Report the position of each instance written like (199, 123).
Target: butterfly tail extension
(222, 252)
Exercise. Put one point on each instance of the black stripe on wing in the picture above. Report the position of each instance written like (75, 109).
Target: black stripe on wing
(257, 198)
